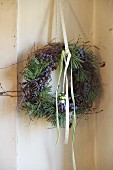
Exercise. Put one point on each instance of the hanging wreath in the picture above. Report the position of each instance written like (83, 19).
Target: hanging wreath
(38, 100)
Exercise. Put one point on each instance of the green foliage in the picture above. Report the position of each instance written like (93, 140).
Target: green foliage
(34, 69)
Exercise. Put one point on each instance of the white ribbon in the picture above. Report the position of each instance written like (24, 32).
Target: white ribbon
(63, 27)
(67, 113)
(67, 60)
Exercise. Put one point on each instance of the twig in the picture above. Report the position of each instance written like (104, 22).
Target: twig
(13, 64)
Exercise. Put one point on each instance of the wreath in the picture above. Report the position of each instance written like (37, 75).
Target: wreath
(38, 100)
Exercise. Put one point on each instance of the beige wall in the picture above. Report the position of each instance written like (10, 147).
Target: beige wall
(8, 15)
(104, 120)
(35, 145)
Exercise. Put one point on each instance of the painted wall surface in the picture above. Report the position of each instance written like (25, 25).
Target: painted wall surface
(8, 16)
(38, 21)
(104, 120)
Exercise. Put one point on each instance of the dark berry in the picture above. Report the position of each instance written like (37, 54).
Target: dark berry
(40, 81)
(46, 75)
(44, 55)
(49, 77)
(64, 109)
(50, 56)
(47, 69)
